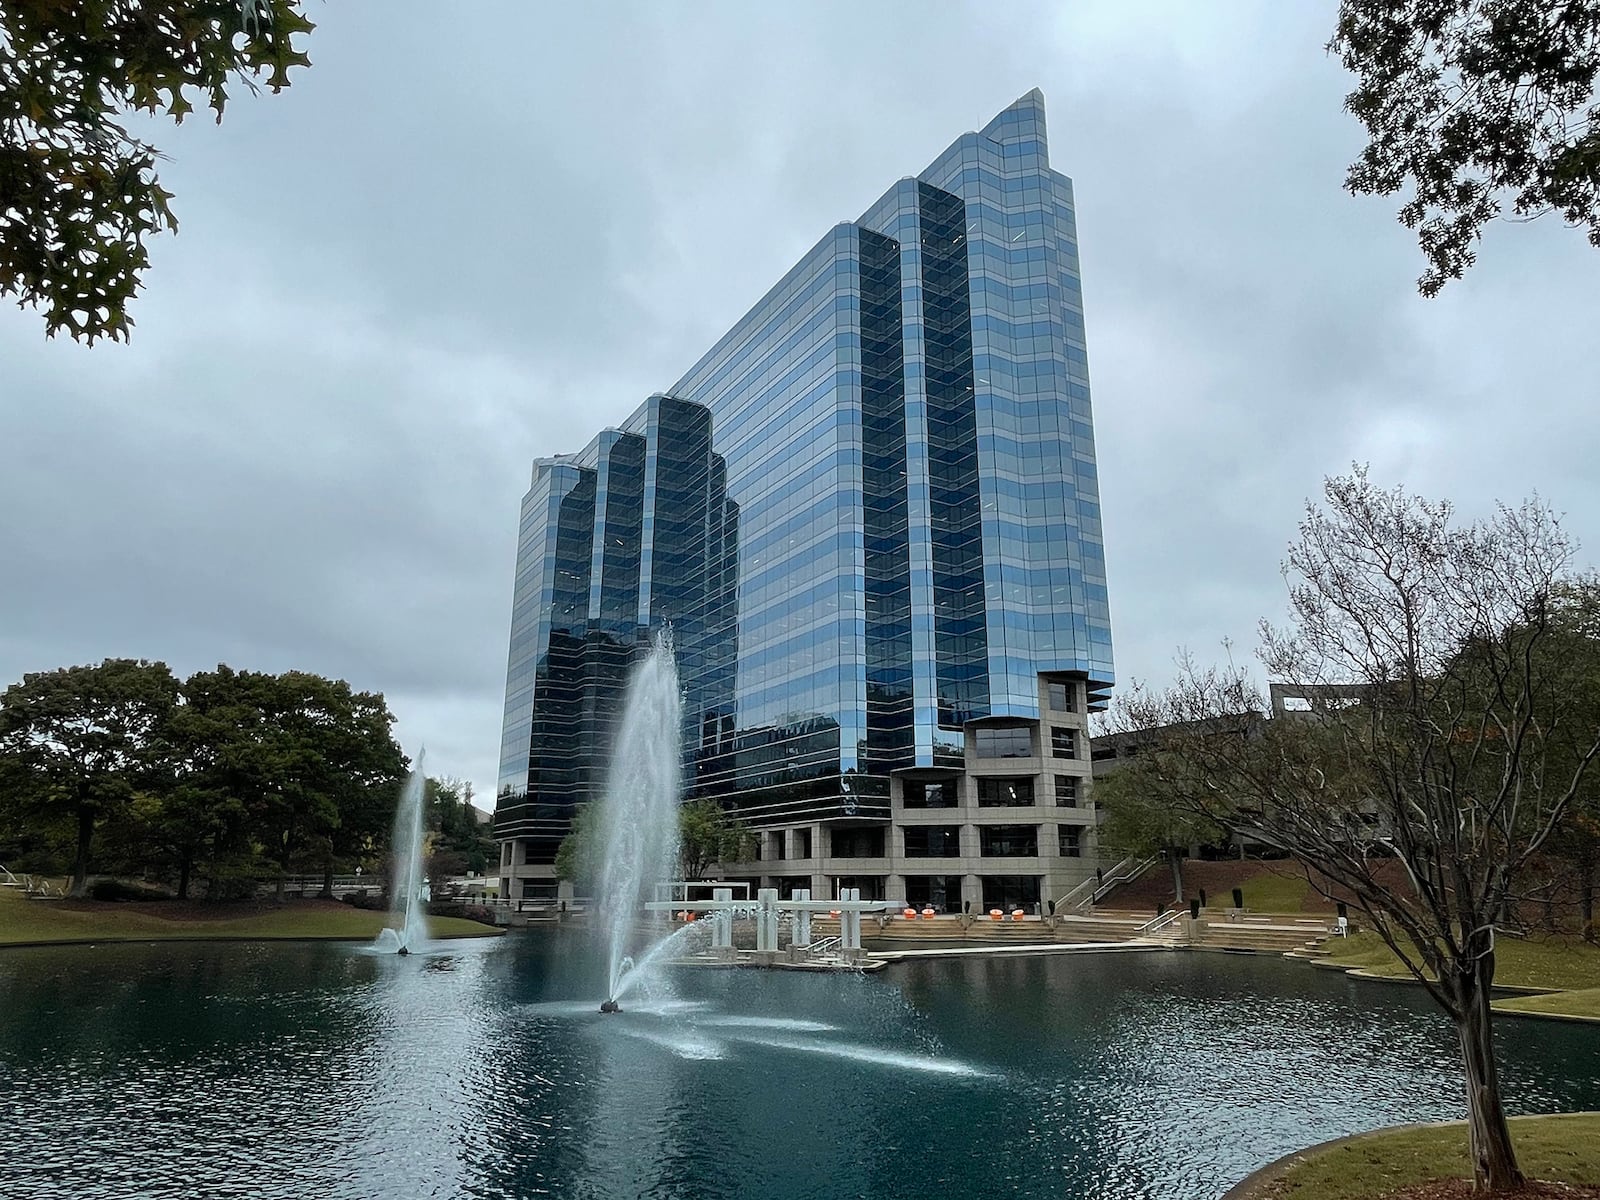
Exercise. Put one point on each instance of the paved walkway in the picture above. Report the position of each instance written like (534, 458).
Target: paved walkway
(998, 948)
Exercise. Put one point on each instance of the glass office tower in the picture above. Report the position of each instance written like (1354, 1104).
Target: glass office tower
(871, 516)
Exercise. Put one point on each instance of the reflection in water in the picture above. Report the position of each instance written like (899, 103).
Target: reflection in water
(485, 1071)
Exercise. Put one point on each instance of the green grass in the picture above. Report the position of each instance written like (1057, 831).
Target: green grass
(1564, 1148)
(1584, 1002)
(23, 920)
(1268, 892)
(1544, 962)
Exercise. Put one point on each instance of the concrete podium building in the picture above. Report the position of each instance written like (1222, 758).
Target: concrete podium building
(871, 516)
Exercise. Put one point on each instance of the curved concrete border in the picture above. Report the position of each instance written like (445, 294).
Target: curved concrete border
(1574, 1018)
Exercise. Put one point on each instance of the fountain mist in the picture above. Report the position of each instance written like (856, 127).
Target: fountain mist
(406, 900)
(638, 825)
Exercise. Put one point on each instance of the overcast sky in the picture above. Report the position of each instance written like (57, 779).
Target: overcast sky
(474, 233)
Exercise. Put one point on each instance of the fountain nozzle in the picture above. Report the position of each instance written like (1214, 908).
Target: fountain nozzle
(610, 1006)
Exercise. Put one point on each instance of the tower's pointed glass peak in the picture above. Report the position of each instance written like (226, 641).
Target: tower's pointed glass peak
(1023, 119)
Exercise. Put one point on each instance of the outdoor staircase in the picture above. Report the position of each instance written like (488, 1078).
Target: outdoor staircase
(1266, 934)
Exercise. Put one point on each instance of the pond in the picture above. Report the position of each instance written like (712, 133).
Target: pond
(315, 1070)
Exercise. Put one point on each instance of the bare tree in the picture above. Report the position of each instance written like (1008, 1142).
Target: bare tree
(1444, 748)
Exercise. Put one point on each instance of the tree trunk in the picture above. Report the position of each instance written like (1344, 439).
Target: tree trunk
(184, 865)
(1494, 1161)
(80, 865)
(283, 859)
(1175, 857)
(327, 880)
(1586, 903)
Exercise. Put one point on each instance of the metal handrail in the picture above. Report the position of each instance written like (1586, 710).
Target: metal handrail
(1122, 873)
(1074, 899)
(1160, 922)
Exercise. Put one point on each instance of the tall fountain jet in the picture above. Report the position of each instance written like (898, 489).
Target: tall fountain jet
(638, 817)
(407, 895)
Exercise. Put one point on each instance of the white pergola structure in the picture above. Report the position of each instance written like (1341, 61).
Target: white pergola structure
(765, 909)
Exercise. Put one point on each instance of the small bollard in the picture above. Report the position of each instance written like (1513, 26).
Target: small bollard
(1238, 897)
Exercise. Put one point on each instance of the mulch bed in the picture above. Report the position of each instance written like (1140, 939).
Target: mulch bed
(1461, 1189)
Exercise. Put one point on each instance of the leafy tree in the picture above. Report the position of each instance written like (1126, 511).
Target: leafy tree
(78, 192)
(1573, 648)
(1140, 819)
(87, 734)
(578, 855)
(321, 750)
(282, 766)
(32, 839)
(1474, 104)
(451, 816)
(707, 834)
(1443, 738)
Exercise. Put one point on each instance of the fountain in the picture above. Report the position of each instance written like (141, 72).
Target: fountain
(638, 817)
(407, 890)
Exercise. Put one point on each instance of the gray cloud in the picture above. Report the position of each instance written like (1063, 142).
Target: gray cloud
(459, 243)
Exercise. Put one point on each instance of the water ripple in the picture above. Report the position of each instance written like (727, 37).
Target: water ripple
(281, 1072)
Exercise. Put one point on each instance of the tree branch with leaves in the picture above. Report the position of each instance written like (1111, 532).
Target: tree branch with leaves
(79, 193)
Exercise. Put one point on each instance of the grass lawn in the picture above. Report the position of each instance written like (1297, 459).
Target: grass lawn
(1548, 962)
(1269, 892)
(24, 920)
(1568, 964)
(1564, 1148)
(1584, 1002)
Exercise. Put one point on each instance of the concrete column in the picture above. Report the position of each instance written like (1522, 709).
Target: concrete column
(802, 920)
(850, 922)
(722, 922)
(767, 920)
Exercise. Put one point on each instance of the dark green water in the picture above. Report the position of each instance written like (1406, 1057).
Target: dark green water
(319, 1072)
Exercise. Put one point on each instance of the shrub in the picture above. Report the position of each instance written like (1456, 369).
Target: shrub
(121, 889)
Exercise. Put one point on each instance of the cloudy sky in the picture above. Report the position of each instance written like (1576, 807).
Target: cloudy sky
(474, 233)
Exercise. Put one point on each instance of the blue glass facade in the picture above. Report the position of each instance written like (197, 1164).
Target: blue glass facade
(870, 514)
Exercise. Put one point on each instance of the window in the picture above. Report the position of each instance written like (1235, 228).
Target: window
(870, 886)
(1066, 791)
(858, 843)
(941, 892)
(932, 841)
(1003, 741)
(1010, 891)
(1005, 793)
(1071, 841)
(1064, 743)
(780, 850)
(1063, 697)
(939, 794)
(1008, 841)
(802, 843)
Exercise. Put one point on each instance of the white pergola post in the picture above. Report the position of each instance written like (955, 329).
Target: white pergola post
(802, 920)
(850, 920)
(722, 922)
(767, 920)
